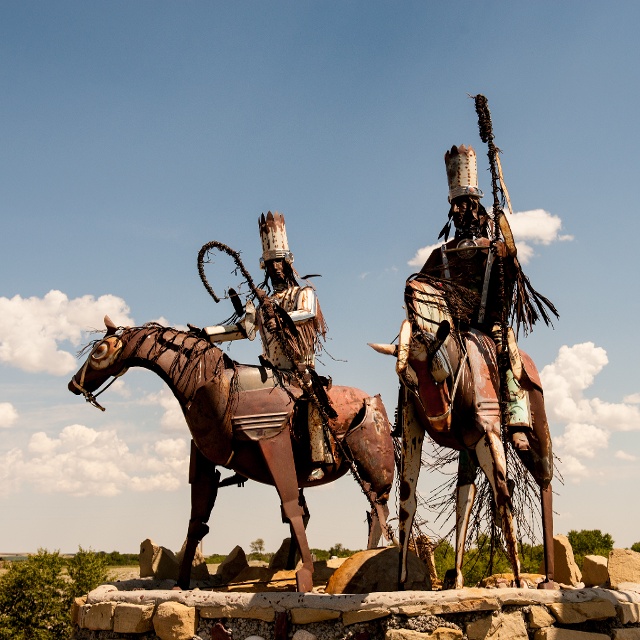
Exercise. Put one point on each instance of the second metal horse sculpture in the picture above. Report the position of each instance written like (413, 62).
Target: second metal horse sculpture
(459, 410)
(241, 419)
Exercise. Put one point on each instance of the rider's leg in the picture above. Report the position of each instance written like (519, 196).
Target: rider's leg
(320, 453)
(518, 406)
(519, 412)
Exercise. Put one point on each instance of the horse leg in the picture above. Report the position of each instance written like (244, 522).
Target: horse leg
(204, 479)
(538, 459)
(292, 556)
(278, 455)
(465, 495)
(412, 438)
(491, 456)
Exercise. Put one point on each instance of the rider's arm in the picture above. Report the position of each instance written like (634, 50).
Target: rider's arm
(224, 333)
(306, 307)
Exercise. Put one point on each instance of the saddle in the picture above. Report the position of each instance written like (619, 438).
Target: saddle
(264, 409)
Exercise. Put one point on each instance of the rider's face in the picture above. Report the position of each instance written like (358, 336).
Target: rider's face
(465, 211)
(275, 270)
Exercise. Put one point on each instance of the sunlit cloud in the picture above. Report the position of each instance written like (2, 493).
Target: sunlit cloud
(587, 422)
(32, 329)
(81, 461)
(623, 455)
(172, 417)
(8, 415)
(534, 227)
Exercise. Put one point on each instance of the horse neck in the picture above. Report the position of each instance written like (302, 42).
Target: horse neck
(184, 361)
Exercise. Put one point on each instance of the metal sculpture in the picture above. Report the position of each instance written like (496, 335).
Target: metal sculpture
(459, 409)
(464, 380)
(240, 418)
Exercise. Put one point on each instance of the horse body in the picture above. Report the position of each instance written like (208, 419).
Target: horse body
(241, 419)
(457, 405)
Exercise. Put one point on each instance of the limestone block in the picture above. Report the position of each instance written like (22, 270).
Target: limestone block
(175, 621)
(551, 633)
(98, 617)
(538, 617)
(441, 633)
(334, 562)
(504, 580)
(499, 626)
(624, 566)
(577, 612)
(306, 616)
(76, 606)
(157, 562)
(628, 612)
(594, 571)
(148, 549)
(566, 569)
(199, 569)
(632, 633)
(229, 610)
(133, 618)
(363, 615)
(279, 560)
(377, 570)
(233, 564)
(454, 606)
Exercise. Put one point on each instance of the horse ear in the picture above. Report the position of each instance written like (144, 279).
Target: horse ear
(111, 328)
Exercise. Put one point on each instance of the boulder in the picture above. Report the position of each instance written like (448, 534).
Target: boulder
(377, 570)
(499, 626)
(279, 560)
(157, 562)
(175, 621)
(232, 565)
(624, 566)
(566, 569)
(199, 569)
(133, 618)
(594, 571)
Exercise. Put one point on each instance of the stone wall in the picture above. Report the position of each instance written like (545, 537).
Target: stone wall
(474, 614)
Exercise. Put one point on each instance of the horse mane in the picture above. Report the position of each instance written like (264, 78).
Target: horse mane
(188, 347)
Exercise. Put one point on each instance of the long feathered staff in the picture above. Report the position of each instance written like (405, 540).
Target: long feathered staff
(526, 305)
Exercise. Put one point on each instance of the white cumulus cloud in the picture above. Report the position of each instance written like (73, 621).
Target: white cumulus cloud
(81, 461)
(31, 329)
(8, 414)
(588, 422)
(536, 226)
(172, 417)
(565, 381)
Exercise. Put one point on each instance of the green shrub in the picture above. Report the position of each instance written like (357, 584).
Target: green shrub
(588, 542)
(36, 595)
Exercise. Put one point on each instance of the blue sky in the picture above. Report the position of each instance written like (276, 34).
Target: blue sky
(133, 133)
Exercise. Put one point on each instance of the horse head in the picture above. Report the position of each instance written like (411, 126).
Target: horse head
(102, 363)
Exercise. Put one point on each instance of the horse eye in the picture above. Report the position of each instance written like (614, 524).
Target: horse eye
(101, 351)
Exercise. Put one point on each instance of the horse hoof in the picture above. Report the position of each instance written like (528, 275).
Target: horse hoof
(548, 584)
(304, 580)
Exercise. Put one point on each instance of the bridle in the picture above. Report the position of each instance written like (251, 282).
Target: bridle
(89, 396)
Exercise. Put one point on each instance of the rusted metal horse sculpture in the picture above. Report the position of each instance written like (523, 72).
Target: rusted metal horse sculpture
(241, 419)
(458, 409)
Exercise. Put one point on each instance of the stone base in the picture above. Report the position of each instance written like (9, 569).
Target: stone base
(476, 614)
